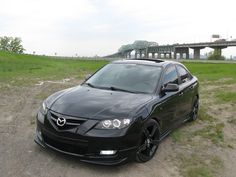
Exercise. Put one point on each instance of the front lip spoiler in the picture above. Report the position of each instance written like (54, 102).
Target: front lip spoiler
(92, 161)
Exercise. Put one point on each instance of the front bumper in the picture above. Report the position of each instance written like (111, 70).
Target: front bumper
(87, 148)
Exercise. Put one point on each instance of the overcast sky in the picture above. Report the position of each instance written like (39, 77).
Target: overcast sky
(90, 27)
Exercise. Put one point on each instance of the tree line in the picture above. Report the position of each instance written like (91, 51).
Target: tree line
(11, 44)
(138, 44)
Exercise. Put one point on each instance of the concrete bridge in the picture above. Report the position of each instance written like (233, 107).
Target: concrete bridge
(171, 51)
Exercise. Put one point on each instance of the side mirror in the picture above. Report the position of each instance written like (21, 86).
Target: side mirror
(87, 76)
(171, 88)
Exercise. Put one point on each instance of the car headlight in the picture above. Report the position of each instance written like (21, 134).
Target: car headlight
(43, 109)
(113, 124)
(42, 112)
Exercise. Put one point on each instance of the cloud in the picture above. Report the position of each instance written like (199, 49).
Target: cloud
(90, 27)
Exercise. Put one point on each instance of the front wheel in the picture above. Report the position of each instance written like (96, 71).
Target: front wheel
(150, 141)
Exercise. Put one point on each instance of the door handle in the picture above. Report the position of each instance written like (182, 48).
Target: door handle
(181, 93)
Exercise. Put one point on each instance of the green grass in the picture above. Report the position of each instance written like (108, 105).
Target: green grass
(24, 68)
(213, 132)
(204, 116)
(177, 136)
(225, 97)
(232, 121)
(199, 166)
(213, 71)
(19, 69)
(16, 69)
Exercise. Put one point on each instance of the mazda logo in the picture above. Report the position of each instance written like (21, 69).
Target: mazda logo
(61, 121)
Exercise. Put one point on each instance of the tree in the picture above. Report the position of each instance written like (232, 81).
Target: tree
(140, 44)
(11, 44)
(4, 43)
(216, 55)
(125, 48)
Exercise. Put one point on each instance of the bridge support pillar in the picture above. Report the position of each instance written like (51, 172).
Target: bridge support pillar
(126, 54)
(159, 55)
(153, 55)
(187, 54)
(129, 55)
(146, 53)
(175, 55)
(196, 52)
(170, 55)
(218, 50)
(164, 55)
(181, 51)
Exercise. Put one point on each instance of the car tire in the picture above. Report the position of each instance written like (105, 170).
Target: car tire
(149, 141)
(194, 112)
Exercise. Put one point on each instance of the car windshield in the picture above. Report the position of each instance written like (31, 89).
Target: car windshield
(126, 77)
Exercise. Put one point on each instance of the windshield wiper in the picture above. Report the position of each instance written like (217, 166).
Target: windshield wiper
(120, 89)
(90, 85)
(112, 88)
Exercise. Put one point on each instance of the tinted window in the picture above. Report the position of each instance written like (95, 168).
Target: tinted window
(131, 77)
(170, 76)
(183, 73)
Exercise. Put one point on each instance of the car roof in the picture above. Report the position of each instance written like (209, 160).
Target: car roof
(146, 61)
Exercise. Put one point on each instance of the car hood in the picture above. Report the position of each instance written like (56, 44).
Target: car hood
(93, 103)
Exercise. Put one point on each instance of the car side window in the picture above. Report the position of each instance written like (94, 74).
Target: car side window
(183, 74)
(170, 76)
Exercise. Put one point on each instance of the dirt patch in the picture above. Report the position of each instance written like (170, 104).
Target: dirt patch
(53, 82)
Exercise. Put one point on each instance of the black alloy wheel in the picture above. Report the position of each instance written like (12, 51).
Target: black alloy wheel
(195, 108)
(150, 141)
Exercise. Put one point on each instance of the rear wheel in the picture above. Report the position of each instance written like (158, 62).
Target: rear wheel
(194, 112)
(150, 141)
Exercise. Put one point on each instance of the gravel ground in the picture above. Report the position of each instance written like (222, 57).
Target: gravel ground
(21, 157)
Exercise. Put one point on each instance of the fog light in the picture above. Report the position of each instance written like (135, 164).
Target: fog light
(108, 152)
(39, 134)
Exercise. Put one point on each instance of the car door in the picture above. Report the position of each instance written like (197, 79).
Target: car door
(166, 110)
(186, 93)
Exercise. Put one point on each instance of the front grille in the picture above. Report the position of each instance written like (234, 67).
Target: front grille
(71, 122)
(71, 147)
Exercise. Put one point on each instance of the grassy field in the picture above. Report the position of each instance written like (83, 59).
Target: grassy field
(15, 67)
(200, 147)
(18, 69)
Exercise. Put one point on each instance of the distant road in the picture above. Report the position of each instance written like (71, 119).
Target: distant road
(184, 60)
(207, 61)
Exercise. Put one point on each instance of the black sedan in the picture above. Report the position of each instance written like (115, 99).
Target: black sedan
(120, 113)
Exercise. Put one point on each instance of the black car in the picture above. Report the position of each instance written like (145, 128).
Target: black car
(120, 113)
